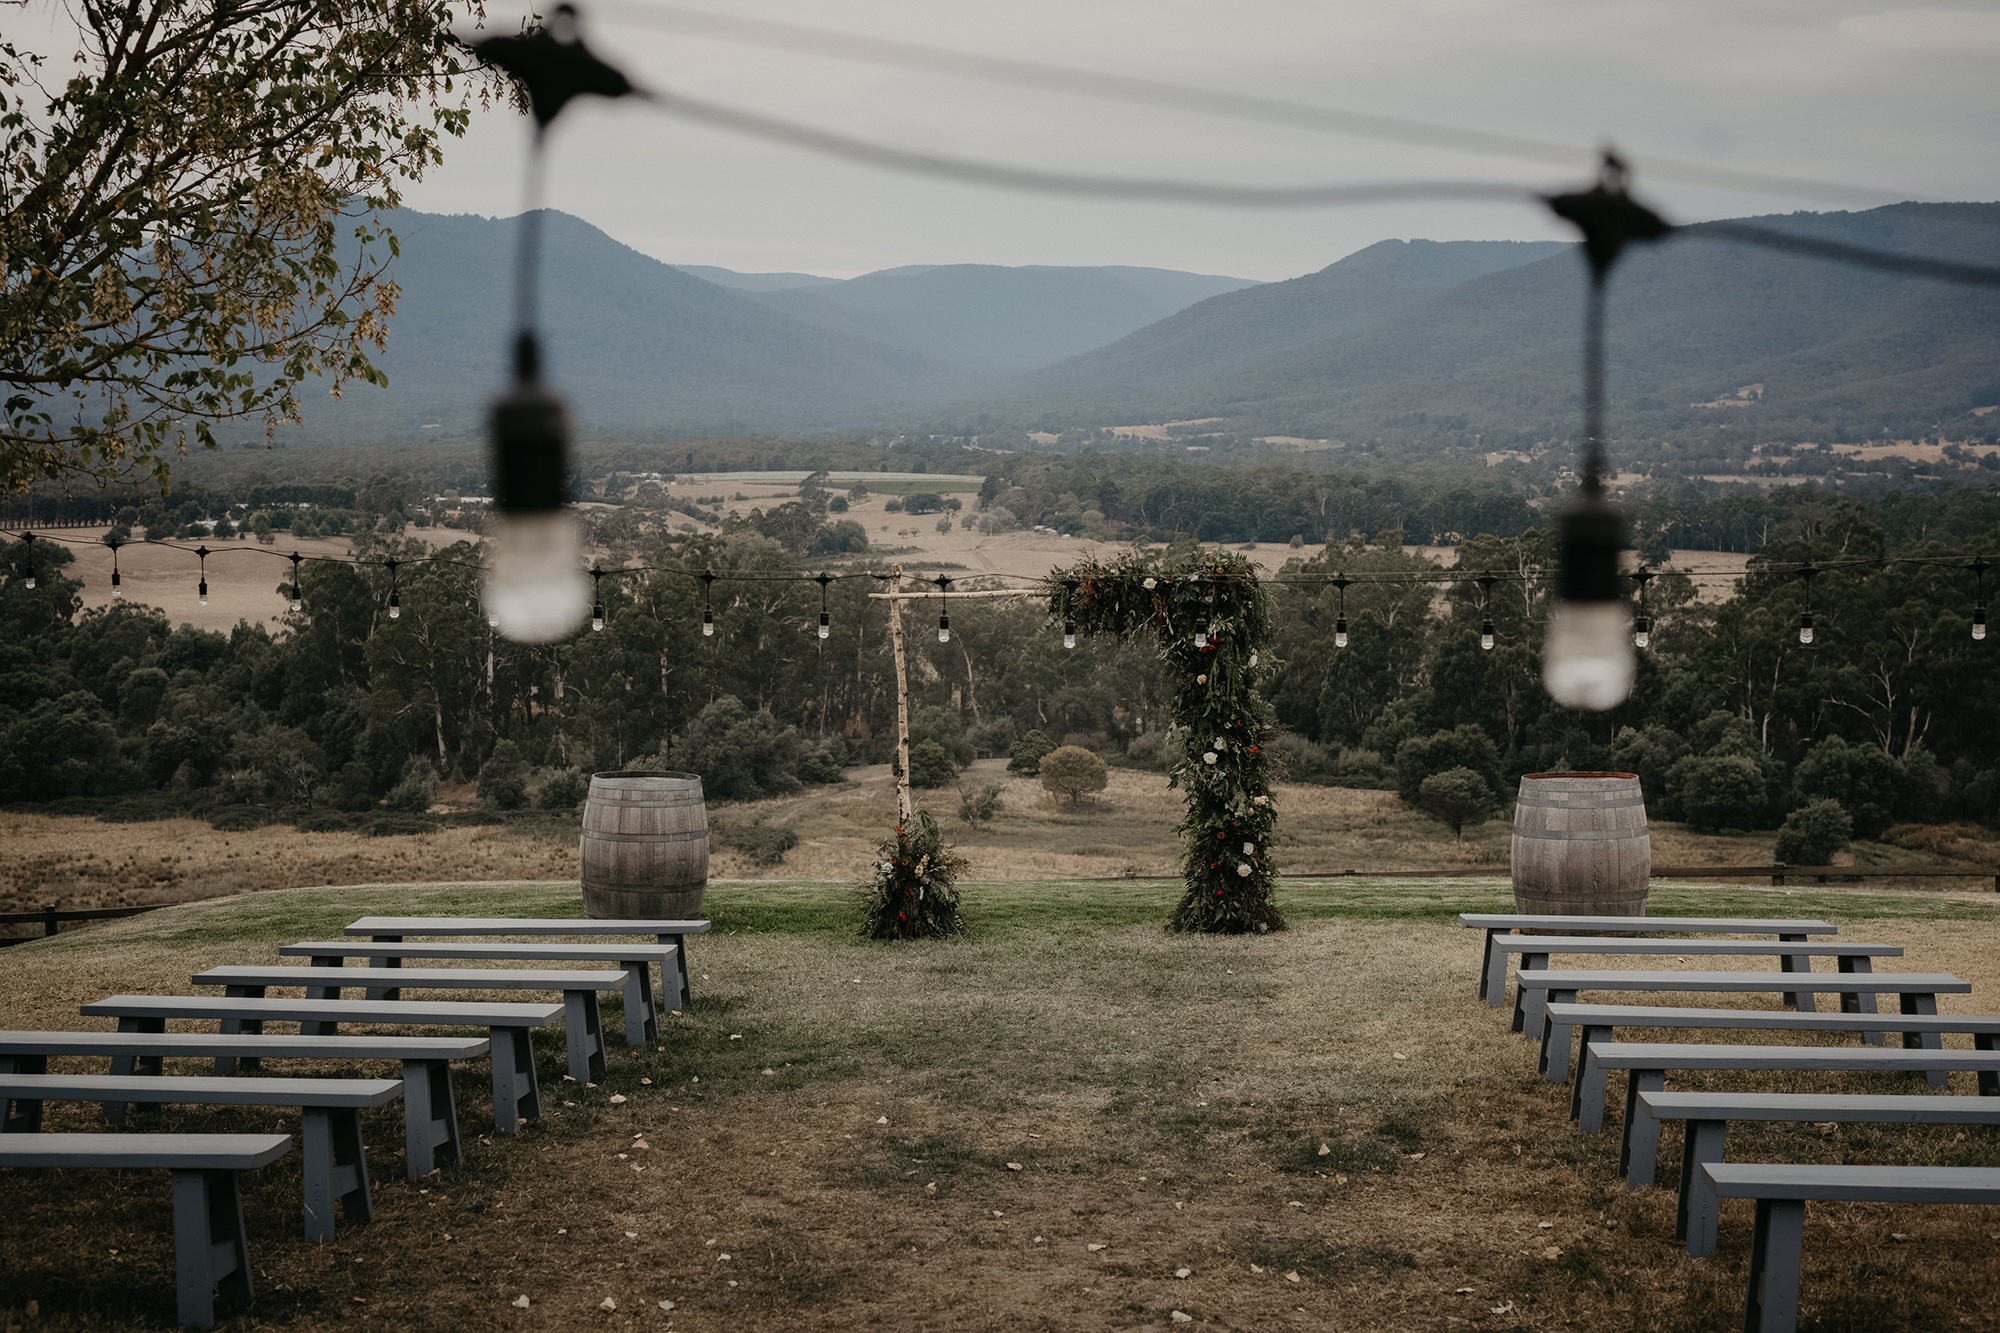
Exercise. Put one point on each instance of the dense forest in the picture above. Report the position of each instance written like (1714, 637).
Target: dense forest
(346, 715)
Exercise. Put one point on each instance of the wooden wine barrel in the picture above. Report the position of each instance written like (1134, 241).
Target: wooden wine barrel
(1580, 845)
(644, 846)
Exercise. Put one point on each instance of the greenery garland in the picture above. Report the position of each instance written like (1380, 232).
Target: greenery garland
(1209, 611)
(914, 894)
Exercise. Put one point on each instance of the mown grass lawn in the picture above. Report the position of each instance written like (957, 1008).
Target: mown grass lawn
(1039, 1126)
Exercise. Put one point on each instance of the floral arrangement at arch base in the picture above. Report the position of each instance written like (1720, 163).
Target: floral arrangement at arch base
(1210, 615)
(914, 894)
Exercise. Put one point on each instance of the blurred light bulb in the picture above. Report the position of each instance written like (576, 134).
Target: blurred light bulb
(202, 591)
(493, 620)
(597, 617)
(1201, 638)
(395, 607)
(1069, 634)
(1340, 632)
(1587, 661)
(297, 604)
(31, 583)
(1979, 622)
(116, 591)
(707, 623)
(825, 626)
(1642, 639)
(1486, 635)
(535, 589)
(1806, 628)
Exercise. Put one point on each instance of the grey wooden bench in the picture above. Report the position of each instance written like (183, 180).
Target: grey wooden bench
(516, 1091)
(210, 1247)
(1498, 924)
(1646, 1065)
(1781, 1192)
(430, 1108)
(1857, 990)
(336, 1162)
(1535, 950)
(642, 1015)
(582, 1023)
(396, 929)
(1707, 1116)
(1599, 1022)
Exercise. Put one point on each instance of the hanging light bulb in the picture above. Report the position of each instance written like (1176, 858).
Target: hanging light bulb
(1587, 659)
(1341, 583)
(597, 616)
(1069, 613)
(1805, 627)
(1486, 635)
(1201, 638)
(1807, 572)
(492, 619)
(28, 541)
(116, 591)
(1978, 622)
(707, 623)
(944, 618)
(1069, 634)
(825, 621)
(298, 598)
(1340, 632)
(707, 578)
(1980, 564)
(395, 597)
(825, 626)
(596, 602)
(1642, 632)
(201, 588)
(534, 571)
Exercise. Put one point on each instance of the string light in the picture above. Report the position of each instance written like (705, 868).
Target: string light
(596, 601)
(28, 541)
(1069, 613)
(944, 619)
(298, 597)
(1642, 624)
(112, 541)
(1808, 574)
(1341, 582)
(707, 578)
(201, 553)
(1979, 566)
(825, 620)
(395, 597)
(1485, 582)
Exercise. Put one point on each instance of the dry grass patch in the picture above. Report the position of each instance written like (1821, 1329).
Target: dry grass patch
(1036, 1127)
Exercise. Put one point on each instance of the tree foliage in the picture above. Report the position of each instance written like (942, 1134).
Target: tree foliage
(185, 218)
(1072, 773)
(1457, 796)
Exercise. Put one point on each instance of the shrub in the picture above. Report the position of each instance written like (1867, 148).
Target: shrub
(416, 791)
(979, 807)
(1717, 791)
(1158, 750)
(1864, 780)
(931, 766)
(503, 778)
(821, 765)
(1072, 772)
(1465, 746)
(354, 788)
(1649, 754)
(760, 842)
(1025, 755)
(935, 723)
(1458, 796)
(993, 740)
(1814, 833)
(563, 789)
(739, 755)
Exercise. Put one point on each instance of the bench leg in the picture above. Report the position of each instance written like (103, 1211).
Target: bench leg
(386, 992)
(430, 1116)
(1989, 1079)
(1694, 1220)
(517, 1096)
(1772, 1305)
(1531, 1000)
(336, 1169)
(123, 1065)
(642, 1020)
(1925, 1005)
(1555, 1050)
(1860, 1002)
(1794, 962)
(1641, 1147)
(680, 970)
(231, 1027)
(585, 1031)
(1592, 1091)
(315, 1027)
(210, 1249)
(1493, 973)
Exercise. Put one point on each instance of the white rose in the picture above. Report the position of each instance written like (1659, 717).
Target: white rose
(1149, 585)
(1201, 680)
(1249, 849)
(1253, 659)
(1208, 758)
(1242, 869)
(1260, 800)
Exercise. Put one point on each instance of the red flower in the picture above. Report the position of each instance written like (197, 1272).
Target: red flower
(1253, 749)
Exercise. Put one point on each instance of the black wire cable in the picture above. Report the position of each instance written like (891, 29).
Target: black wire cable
(1839, 252)
(1140, 90)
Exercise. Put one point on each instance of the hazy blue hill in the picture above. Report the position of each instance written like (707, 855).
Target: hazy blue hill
(634, 344)
(1239, 329)
(996, 320)
(1692, 320)
(755, 282)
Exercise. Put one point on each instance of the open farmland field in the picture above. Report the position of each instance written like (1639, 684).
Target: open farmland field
(1068, 1119)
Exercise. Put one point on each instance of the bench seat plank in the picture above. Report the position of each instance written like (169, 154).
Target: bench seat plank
(1707, 1116)
(1497, 924)
(211, 1248)
(1536, 950)
(516, 1091)
(1781, 1190)
(394, 929)
(1599, 1021)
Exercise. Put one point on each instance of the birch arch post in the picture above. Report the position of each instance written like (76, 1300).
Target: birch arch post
(1211, 617)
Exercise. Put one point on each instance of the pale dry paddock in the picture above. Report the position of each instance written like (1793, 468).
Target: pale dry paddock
(1039, 1126)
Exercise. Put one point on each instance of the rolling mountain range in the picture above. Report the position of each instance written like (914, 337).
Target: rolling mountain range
(1404, 338)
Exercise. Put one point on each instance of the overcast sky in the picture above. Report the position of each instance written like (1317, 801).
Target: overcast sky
(1898, 97)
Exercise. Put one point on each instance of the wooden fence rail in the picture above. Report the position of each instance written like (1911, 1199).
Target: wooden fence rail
(50, 919)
